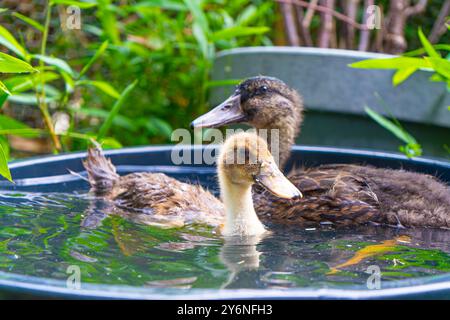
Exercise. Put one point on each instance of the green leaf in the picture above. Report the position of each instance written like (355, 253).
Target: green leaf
(8, 40)
(427, 45)
(391, 63)
(436, 77)
(158, 126)
(103, 86)
(198, 14)
(402, 74)
(80, 4)
(8, 123)
(420, 51)
(115, 110)
(28, 99)
(29, 21)
(391, 126)
(238, 31)
(94, 58)
(69, 82)
(108, 19)
(4, 88)
(163, 4)
(247, 15)
(119, 120)
(3, 97)
(110, 143)
(9, 64)
(23, 83)
(441, 66)
(59, 64)
(201, 38)
(4, 170)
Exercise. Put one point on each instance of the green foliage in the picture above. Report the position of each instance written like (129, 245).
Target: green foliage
(4, 170)
(115, 110)
(406, 65)
(37, 89)
(411, 148)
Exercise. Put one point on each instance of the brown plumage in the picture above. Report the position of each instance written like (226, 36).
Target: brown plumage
(158, 198)
(341, 194)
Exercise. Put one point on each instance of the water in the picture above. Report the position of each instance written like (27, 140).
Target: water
(43, 233)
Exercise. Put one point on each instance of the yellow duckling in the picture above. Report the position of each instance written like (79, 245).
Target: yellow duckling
(154, 198)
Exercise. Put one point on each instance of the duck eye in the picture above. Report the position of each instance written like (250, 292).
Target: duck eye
(263, 89)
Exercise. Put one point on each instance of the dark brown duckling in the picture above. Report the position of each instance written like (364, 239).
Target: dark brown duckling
(164, 201)
(341, 194)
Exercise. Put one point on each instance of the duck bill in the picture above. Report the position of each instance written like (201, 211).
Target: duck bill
(227, 112)
(273, 180)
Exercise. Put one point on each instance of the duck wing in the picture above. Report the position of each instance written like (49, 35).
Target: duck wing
(331, 194)
(160, 199)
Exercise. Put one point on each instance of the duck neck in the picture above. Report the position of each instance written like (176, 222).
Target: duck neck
(280, 140)
(240, 215)
(283, 130)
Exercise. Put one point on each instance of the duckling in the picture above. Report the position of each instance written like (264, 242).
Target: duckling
(342, 194)
(158, 199)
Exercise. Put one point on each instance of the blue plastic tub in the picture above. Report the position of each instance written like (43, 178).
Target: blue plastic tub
(45, 173)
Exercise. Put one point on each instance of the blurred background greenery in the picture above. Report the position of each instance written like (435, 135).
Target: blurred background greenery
(134, 69)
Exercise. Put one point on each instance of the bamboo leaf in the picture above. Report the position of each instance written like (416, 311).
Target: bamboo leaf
(23, 83)
(201, 38)
(163, 4)
(402, 74)
(420, 51)
(238, 31)
(119, 120)
(28, 99)
(8, 40)
(4, 88)
(428, 46)
(80, 4)
(8, 123)
(115, 110)
(29, 21)
(390, 126)
(198, 14)
(391, 63)
(59, 64)
(94, 58)
(4, 170)
(9, 64)
(103, 86)
(441, 66)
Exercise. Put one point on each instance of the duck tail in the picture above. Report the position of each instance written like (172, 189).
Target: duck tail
(101, 172)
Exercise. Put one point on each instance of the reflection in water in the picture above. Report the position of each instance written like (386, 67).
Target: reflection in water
(41, 234)
(242, 259)
(370, 251)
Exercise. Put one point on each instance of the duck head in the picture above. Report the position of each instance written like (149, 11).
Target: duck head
(244, 160)
(261, 102)
(258, 101)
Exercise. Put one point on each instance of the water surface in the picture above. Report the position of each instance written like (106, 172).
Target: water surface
(43, 233)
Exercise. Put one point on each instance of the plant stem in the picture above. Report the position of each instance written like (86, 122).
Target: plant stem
(41, 100)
